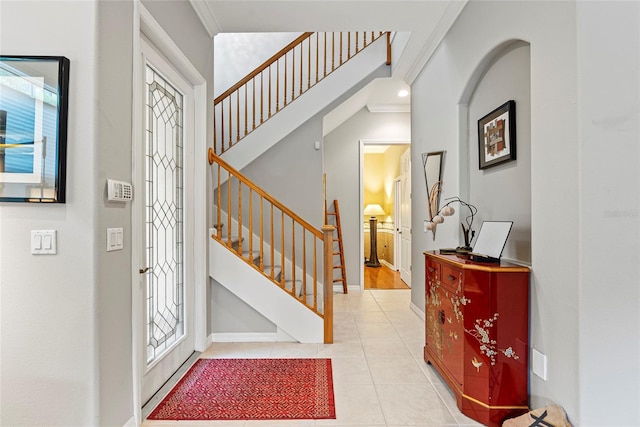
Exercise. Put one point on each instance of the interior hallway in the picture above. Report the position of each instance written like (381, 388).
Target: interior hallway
(379, 374)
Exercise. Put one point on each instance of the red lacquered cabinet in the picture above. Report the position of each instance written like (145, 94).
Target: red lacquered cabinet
(477, 334)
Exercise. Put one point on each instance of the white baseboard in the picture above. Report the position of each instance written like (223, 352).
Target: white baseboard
(279, 336)
(417, 311)
(131, 422)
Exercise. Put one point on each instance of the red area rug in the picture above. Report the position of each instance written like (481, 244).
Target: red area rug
(251, 389)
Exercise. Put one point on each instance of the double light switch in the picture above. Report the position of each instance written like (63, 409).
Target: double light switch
(43, 242)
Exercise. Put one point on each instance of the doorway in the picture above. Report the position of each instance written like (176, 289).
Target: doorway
(169, 235)
(380, 169)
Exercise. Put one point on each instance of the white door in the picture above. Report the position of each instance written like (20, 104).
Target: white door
(405, 217)
(164, 228)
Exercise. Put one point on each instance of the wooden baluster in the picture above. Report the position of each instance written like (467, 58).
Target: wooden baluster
(325, 55)
(230, 126)
(304, 264)
(333, 51)
(246, 110)
(282, 248)
(293, 256)
(238, 114)
(317, 57)
(215, 132)
(219, 206)
(388, 48)
(357, 49)
(348, 45)
(261, 235)
(309, 64)
(271, 260)
(261, 99)
(222, 127)
(239, 218)
(253, 111)
(277, 86)
(250, 220)
(284, 94)
(229, 209)
(301, 67)
(269, 90)
(293, 74)
(341, 48)
(364, 43)
(315, 272)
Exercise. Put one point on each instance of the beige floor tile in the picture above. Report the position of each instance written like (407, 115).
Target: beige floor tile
(381, 330)
(384, 347)
(350, 370)
(396, 370)
(356, 404)
(294, 350)
(410, 404)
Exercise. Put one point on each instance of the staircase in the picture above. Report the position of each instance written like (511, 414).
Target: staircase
(320, 66)
(260, 250)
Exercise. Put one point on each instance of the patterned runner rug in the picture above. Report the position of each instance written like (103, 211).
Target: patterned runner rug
(251, 389)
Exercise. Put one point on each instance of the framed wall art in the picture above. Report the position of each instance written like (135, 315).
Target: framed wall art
(33, 128)
(497, 136)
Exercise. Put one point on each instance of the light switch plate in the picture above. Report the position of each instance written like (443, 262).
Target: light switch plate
(44, 242)
(115, 239)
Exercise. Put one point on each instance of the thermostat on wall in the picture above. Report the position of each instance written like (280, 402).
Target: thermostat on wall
(119, 191)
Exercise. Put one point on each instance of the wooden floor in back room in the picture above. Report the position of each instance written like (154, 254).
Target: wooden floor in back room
(382, 278)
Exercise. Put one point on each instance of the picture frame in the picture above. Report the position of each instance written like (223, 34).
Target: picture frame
(34, 100)
(497, 136)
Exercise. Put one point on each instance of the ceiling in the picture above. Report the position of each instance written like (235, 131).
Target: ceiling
(421, 23)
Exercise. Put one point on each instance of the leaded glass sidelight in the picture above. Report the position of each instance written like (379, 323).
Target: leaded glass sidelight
(164, 211)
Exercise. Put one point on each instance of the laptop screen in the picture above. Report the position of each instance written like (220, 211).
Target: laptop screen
(492, 238)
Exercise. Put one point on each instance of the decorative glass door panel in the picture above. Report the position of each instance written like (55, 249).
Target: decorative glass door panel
(164, 216)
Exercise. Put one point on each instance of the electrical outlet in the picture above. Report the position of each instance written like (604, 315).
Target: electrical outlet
(539, 364)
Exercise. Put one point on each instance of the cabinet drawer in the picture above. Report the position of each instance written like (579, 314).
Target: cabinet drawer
(451, 277)
(432, 270)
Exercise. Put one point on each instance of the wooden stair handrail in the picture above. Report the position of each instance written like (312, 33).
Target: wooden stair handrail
(217, 159)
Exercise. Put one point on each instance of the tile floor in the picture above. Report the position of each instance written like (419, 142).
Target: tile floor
(380, 377)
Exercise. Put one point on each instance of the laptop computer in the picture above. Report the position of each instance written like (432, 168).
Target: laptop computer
(491, 241)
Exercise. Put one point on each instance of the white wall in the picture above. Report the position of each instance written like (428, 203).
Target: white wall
(584, 102)
(608, 83)
(342, 166)
(48, 321)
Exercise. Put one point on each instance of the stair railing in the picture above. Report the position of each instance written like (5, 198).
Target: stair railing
(283, 78)
(282, 246)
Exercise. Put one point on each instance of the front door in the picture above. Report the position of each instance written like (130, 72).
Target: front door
(405, 217)
(166, 270)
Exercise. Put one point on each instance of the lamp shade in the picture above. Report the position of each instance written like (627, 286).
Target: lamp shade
(373, 210)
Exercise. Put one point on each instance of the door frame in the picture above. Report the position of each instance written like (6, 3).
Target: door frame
(144, 23)
(362, 143)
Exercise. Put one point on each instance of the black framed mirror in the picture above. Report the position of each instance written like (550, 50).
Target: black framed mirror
(433, 164)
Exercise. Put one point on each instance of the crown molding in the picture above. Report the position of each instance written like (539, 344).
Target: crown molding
(207, 17)
(447, 19)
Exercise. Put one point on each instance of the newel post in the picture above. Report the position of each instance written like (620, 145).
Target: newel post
(327, 231)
